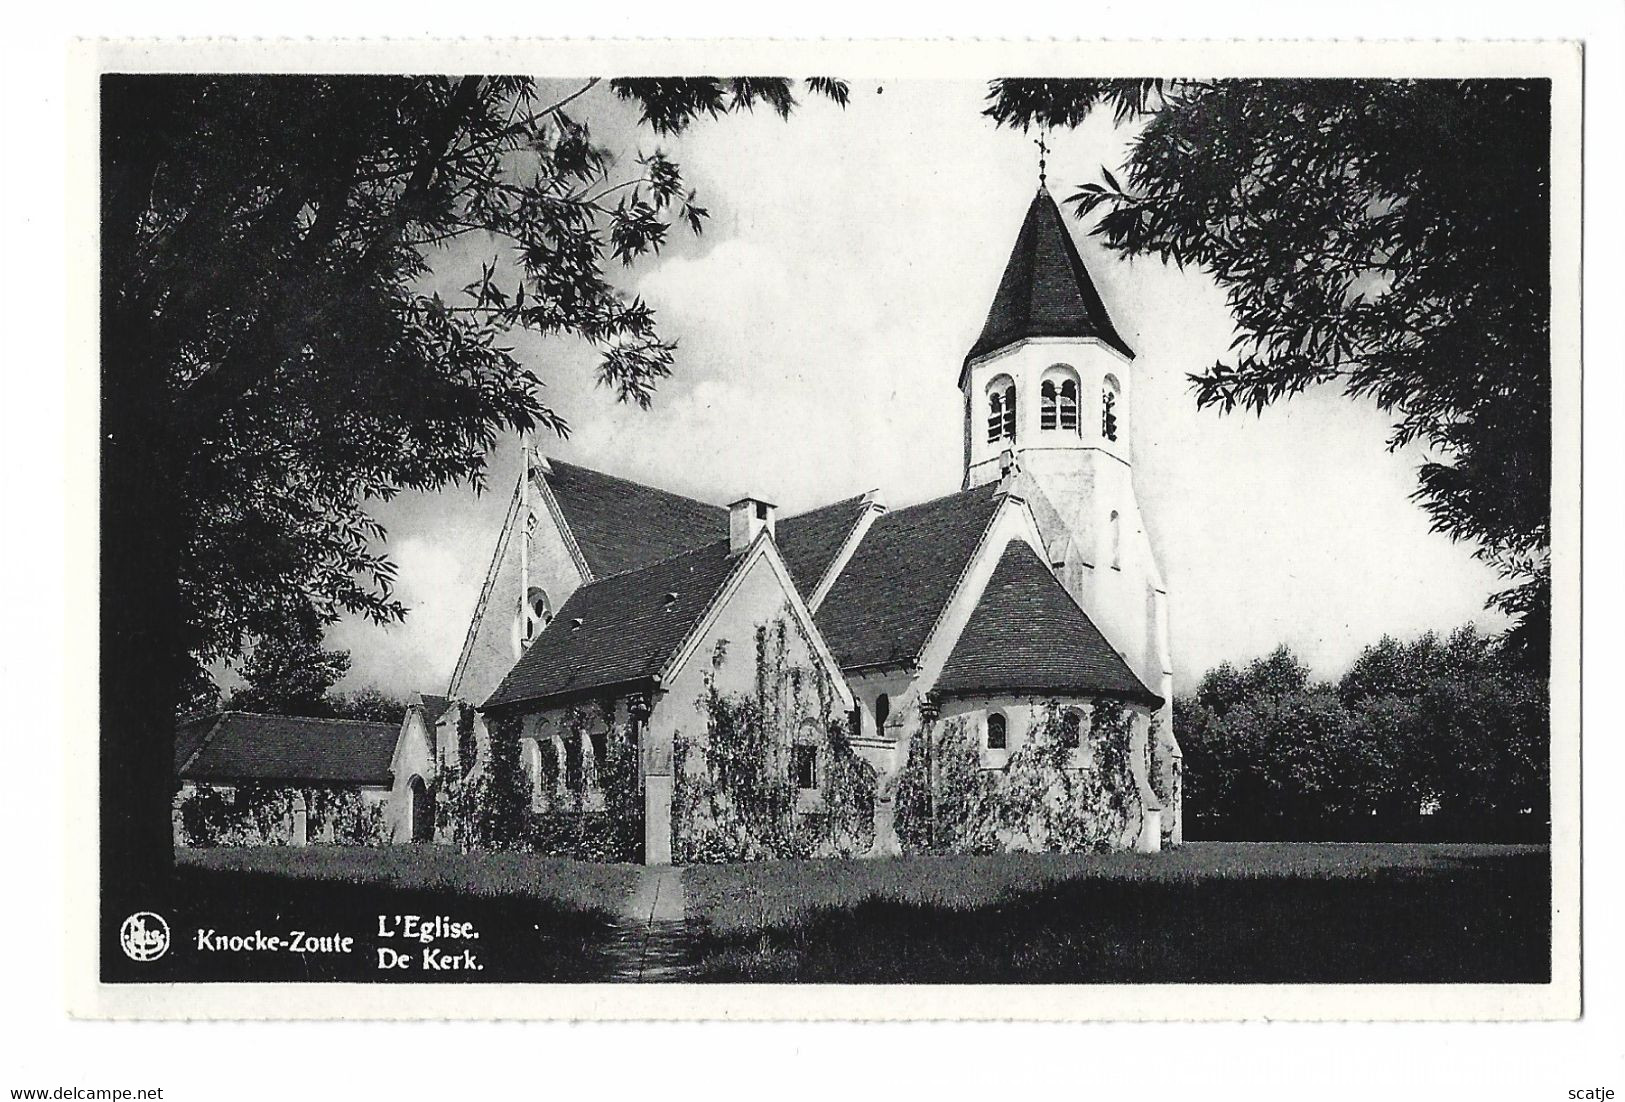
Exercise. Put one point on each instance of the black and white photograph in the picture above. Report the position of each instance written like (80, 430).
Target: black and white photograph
(1062, 539)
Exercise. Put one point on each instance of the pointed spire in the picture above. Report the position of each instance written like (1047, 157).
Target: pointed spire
(1046, 291)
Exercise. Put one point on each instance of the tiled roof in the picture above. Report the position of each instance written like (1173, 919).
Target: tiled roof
(810, 542)
(622, 525)
(618, 629)
(433, 706)
(189, 735)
(1046, 291)
(233, 747)
(898, 581)
(1027, 635)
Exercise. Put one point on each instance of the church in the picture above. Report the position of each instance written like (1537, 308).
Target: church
(1034, 586)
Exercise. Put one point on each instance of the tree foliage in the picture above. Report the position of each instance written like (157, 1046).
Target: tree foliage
(1450, 725)
(1387, 236)
(268, 253)
(290, 673)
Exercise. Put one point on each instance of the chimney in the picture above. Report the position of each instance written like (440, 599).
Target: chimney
(746, 518)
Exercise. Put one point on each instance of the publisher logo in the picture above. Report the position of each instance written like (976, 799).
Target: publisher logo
(144, 936)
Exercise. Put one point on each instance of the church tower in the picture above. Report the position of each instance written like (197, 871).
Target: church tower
(1047, 389)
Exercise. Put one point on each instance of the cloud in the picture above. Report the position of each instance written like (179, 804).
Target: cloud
(439, 580)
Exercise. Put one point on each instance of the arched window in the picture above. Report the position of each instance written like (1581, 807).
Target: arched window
(1058, 400)
(1108, 409)
(420, 813)
(530, 764)
(1001, 409)
(998, 733)
(882, 712)
(538, 613)
(1114, 534)
(804, 766)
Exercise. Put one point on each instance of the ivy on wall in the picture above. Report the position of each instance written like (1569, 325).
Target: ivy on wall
(734, 796)
(491, 806)
(1052, 795)
(592, 801)
(946, 801)
(262, 815)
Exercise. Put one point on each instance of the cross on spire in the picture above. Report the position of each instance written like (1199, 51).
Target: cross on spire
(1043, 152)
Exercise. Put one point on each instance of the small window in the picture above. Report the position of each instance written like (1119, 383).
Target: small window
(1071, 729)
(537, 613)
(882, 712)
(1067, 413)
(804, 766)
(1048, 416)
(1001, 410)
(574, 776)
(998, 735)
(600, 747)
(761, 510)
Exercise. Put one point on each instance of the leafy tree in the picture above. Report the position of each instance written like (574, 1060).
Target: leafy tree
(274, 357)
(199, 694)
(1388, 236)
(1451, 724)
(373, 704)
(1392, 668)
(290, 673)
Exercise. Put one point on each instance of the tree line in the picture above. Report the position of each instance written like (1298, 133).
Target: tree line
(1442, 729)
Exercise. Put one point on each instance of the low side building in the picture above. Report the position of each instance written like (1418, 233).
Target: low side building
(244, 778)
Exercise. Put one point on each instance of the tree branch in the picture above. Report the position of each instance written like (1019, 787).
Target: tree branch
(280, 329)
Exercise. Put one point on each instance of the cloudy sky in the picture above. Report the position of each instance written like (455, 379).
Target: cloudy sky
(822, 317)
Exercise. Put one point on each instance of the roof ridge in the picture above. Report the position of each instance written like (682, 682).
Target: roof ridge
(827, 505)
(306, 719)
(698, 501)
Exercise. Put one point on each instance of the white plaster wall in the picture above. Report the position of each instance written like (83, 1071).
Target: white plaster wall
(874, 745)
(531, 555)
(413, 757)
(492, 651)
(1024, 713)
(1086, 478)
(1025, 362)
(759, 600)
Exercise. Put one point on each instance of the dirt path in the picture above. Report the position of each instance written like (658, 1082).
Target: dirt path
(649, 944)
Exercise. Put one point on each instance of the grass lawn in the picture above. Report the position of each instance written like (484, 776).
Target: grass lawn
(1208, 912)
(539, 918)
